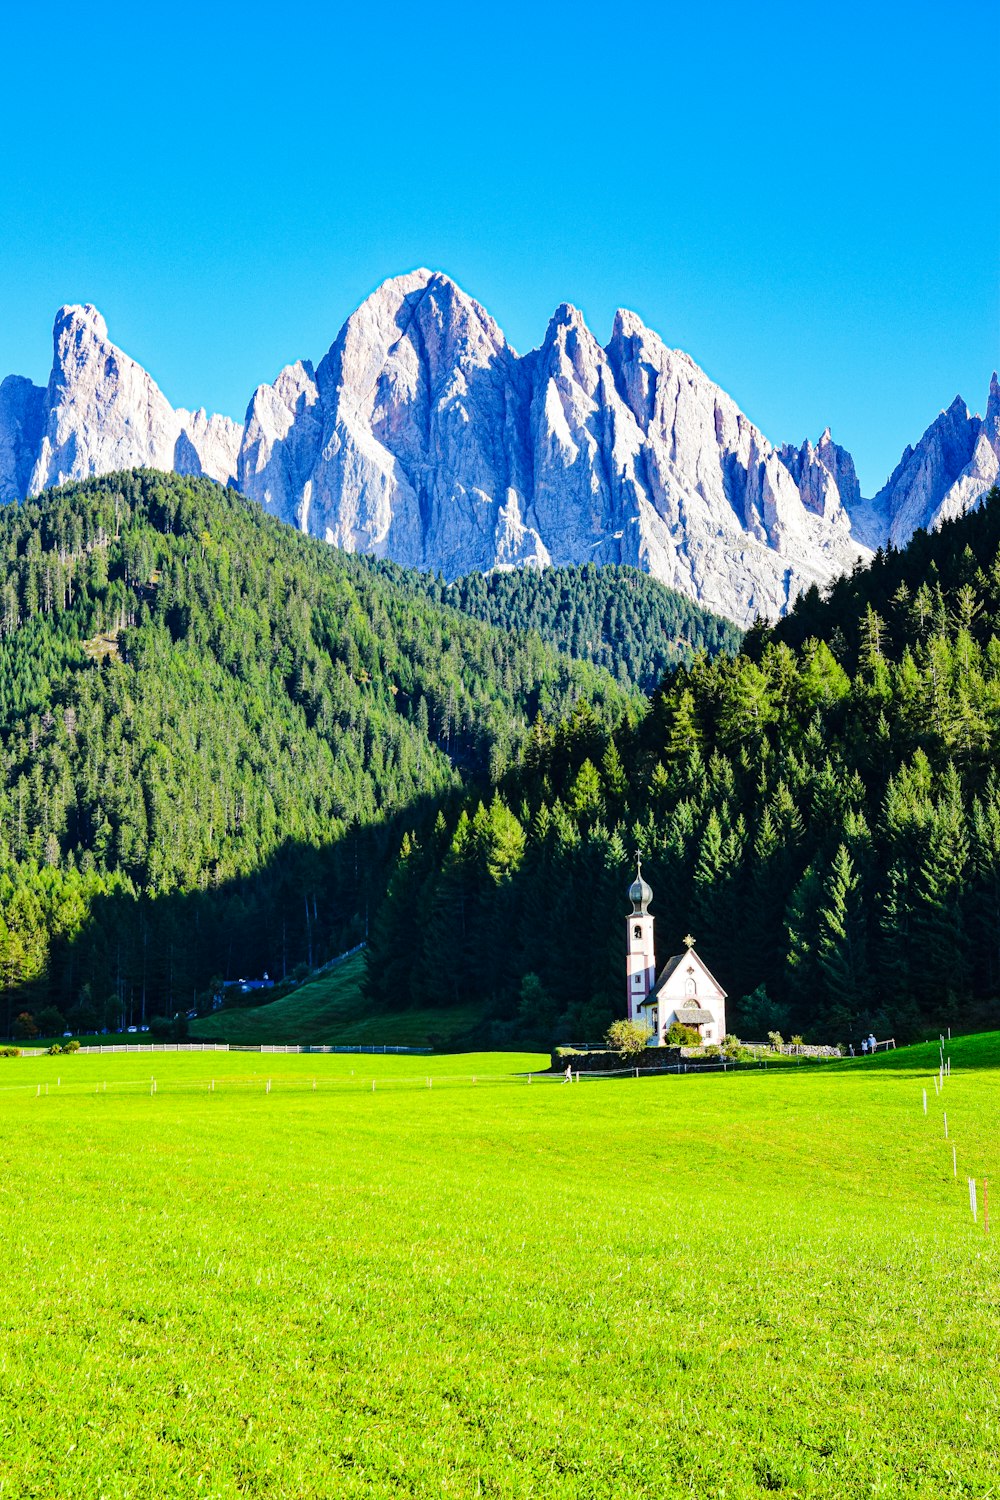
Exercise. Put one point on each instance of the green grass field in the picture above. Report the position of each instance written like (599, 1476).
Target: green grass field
(723, 1286)
(325, 1011)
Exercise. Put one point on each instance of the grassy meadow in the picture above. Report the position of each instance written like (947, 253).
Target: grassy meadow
(714, 1285)
(329, 1009)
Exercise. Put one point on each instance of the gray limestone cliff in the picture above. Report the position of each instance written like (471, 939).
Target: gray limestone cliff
(100, 412)
(424, 437)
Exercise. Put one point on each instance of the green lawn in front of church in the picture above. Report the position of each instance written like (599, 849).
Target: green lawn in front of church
(712, 1285)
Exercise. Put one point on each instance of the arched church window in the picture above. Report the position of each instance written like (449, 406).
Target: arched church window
(690, 987)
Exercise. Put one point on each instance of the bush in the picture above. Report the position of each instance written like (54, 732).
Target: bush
(24, 1027)
(71, 1046)
(628, 1038)
(776, 1039)
(712, 1051)
(732, 1047)
(8, 1051)
(680, 1035)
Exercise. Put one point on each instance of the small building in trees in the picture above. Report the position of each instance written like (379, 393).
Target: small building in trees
(683, 991)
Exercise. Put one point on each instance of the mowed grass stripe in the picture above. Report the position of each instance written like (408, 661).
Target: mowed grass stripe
(730, 1284)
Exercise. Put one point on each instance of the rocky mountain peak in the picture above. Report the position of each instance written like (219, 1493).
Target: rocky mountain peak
(992, 419)
(100, 412)
(423, 436)
(79, 318)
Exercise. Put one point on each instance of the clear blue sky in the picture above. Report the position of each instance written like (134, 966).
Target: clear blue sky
(805, 198)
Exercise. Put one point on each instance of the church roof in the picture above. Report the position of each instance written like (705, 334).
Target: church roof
(673, 964)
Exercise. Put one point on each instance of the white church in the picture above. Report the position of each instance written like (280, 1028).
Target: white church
(683, 991)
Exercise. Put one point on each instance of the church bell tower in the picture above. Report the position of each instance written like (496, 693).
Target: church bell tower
(640, 961)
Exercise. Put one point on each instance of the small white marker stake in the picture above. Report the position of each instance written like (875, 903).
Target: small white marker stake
(925, 1101)
(954, 1161)
(972, 1197)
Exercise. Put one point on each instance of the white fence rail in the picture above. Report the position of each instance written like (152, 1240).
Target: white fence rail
(233, 1047)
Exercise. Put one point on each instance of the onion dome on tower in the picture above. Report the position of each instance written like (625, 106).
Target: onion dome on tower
(639, 892)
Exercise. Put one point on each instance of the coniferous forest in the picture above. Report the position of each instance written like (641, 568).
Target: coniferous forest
(614, 616)
(821, 811)
(211, 731)
(220, 743)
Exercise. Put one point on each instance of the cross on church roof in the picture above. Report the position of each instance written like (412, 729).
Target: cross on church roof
(689, 941)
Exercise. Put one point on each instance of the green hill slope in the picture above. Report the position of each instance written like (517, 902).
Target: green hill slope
(209, 726)
(613, 616)
(333, 1010)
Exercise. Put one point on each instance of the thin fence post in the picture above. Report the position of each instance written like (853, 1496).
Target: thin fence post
(925, 1101)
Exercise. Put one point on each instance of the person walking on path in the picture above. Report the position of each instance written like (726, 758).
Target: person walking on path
(569, 1073)
(872, 1044)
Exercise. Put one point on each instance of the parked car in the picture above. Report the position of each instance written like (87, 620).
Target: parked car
(67, 1033)
(132, 1029)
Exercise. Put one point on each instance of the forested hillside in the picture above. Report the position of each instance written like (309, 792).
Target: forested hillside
(209, 727)
(822, 812)
(614, 616)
